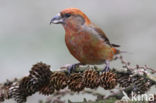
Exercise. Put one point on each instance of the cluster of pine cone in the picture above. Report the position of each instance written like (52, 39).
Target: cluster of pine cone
(139, 84)
(44, 81)
(41, 79)
(38, 77)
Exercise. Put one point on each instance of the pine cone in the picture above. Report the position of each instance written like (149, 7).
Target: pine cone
(108, 80)
(20, 91)
(124, 80)
(58, 80)
(91, 78)
(47, 90)
(40, 74)
(76, 82)
(27, 86)
(141, 85)
(19, 96)
(17, 93)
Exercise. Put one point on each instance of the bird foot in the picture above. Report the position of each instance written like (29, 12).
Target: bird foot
(72, 67)
(106, 69)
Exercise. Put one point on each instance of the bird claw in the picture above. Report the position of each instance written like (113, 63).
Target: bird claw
(106, 69)
(72, 67)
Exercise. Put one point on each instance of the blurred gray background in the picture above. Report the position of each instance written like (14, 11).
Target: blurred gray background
(26, 37)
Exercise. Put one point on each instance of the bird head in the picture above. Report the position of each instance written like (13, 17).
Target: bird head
(70, 16)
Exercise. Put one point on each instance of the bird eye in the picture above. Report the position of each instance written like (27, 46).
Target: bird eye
(67, 15)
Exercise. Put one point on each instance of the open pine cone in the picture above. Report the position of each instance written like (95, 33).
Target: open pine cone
(124, 80)
(40, 74)
(91, 78)
(47, 90)
(27, 86)
(58, 80)
(17, 93)
(140, 84)
(76, 82)
(108, 80)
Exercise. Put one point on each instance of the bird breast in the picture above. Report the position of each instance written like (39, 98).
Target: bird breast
(86, 47)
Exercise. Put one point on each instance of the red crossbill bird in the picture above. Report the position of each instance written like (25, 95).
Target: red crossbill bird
(85, 40)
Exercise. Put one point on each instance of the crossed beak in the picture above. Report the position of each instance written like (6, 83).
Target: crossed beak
(57, 19)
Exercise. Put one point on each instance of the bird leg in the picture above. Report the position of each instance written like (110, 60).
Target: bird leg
(107, 68)
(73, 66)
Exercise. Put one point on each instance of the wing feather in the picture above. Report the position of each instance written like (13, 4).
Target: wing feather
(103, 36)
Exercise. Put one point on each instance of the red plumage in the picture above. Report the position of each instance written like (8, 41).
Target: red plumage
(85, 41)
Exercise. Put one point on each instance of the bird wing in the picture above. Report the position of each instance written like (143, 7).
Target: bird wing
(103, 36)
